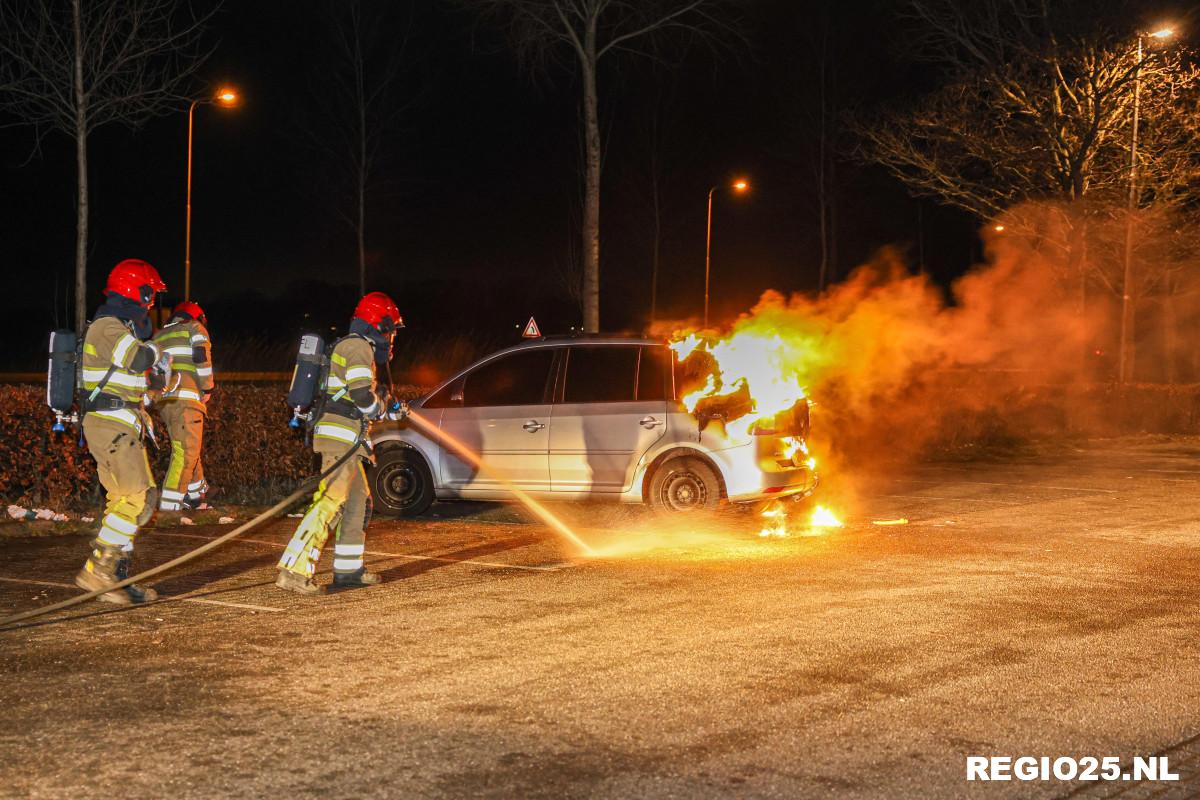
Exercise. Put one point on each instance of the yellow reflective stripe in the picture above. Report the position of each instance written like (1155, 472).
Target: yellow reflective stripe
(205, 371)
(94, 375)
(335, 432)
(121, 353)
(338, 359)
(123, 416)
(357, 373)
(180, 366)
(340, 549)
(121, 525)
(177, 334)
(127, 380)
(90, 349)
(109, 536)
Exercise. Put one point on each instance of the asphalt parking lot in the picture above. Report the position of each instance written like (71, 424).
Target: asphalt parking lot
(1046, 605)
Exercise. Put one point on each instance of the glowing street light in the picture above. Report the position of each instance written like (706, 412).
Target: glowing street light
(1127, 305)
(226, 97)
(741, 186)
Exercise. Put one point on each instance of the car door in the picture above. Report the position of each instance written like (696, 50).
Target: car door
(500, 410)
(611, 408)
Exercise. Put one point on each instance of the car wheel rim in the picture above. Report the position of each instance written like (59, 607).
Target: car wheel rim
(684, 491)
(399, 485)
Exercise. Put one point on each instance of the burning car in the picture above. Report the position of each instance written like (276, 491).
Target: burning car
(621, 419)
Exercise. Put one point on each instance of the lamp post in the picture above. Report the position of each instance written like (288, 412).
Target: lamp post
(739, 186)
(1125, 368)
(224, 97)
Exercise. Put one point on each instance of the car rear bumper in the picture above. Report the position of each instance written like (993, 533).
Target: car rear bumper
(755, 472)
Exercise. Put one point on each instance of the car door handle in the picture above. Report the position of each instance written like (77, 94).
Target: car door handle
(649, 423)
(533, 426)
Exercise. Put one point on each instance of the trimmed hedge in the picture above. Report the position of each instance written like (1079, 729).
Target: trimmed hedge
(250, 454)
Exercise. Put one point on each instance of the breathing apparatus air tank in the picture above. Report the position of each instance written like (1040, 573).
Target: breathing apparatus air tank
(61, 376)
(307, 377)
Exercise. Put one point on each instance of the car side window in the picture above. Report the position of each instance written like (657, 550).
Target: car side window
(445, 397)
(517, 379)
(653, 373)
(603, 374)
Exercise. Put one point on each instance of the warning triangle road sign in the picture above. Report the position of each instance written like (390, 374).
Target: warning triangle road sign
(531, 330)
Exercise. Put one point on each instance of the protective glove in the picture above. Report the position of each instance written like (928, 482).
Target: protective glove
(398, 410)
(161, 373)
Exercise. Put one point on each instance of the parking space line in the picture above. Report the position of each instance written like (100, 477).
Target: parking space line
(1017, 485)
(277, 546)
(954, 499)
(183, 597)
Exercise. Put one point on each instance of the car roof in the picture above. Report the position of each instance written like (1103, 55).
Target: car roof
(567, 341)
(547, 342)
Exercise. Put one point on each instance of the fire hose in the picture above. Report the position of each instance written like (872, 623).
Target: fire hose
(271, 512)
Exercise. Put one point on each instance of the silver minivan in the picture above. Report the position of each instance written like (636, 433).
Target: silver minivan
(581, 418)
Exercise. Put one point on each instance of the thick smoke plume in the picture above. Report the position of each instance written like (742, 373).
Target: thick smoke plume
(895, 366)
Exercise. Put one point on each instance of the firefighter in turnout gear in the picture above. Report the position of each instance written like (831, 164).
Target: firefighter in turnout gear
(183, 410)
(118, 364)
(343, 500)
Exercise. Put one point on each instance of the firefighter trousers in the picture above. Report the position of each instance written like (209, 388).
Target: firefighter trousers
(185, 474)
(124, 473)
(342, 502)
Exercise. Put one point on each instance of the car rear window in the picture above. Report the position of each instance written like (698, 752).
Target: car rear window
(605, 374)
(518, 379)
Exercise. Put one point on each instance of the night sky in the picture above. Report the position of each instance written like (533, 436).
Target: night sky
(475, 211)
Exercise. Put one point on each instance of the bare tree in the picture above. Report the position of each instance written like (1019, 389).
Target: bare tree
(75, 65)
(358, 96)
(1039, 105)
(591, 31)
(1023, 114)
(655, 147)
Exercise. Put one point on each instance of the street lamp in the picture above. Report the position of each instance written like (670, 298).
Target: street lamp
(740, 186)
(228, 98)
(1127, 307)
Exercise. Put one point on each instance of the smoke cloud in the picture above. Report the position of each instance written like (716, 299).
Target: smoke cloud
(897, 366)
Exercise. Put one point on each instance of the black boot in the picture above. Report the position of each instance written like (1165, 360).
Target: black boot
(297, 583)
(107, 566)
(353, 580)
(136, 591)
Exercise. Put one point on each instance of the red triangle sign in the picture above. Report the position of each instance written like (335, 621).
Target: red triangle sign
(531, 330)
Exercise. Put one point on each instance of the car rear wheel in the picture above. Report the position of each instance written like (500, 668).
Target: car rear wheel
(401, 483)
(684, 484)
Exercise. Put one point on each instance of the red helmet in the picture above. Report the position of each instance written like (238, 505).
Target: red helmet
(192, 310)
(377, 310)
(135, 280)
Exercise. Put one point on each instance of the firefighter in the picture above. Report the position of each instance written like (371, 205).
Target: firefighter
(118, 364)
(343, 500)
(183, 410)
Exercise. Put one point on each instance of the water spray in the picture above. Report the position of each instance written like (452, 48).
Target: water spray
(474, 460)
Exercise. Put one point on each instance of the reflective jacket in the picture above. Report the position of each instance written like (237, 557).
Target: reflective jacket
(111, 344)
(191, 358)
(349, 394)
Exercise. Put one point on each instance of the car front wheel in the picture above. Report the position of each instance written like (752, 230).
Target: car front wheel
(401, 483)
(684, 484)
